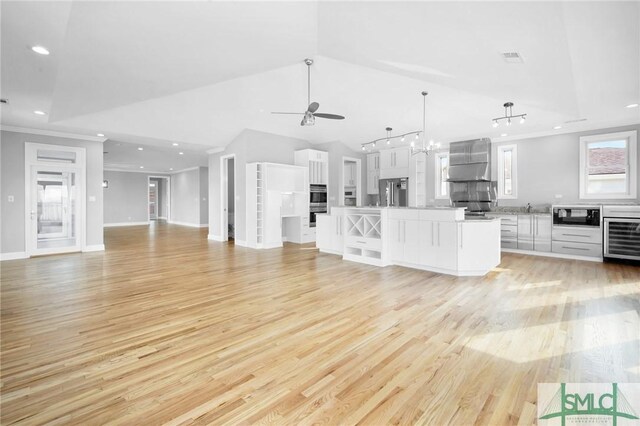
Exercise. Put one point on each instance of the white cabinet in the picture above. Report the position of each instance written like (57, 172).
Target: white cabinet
(394, 163)
(330, 231)
(274, 191)
(404, 239)
(542, 232)
(373, 161)
(317, 162)
(373, 173)
(479, 244)
(446, 245)
(350, 174)
(373, 180)
(525, 232)
(324, 237)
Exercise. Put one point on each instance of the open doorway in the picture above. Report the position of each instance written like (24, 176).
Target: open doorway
(351, 185)
(159, 193)
(228, 197)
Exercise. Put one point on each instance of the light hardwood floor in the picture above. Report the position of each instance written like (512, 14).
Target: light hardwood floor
(167, 327)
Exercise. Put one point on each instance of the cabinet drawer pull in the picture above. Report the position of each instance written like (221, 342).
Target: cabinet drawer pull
(575, 248)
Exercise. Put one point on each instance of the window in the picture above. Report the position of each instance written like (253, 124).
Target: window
(442, 174)
(508, 171)
(608, 166)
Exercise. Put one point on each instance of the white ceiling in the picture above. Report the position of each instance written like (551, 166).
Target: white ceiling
(198, 73)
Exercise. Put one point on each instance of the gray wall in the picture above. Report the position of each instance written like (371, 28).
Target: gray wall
(547, 166)
(126, 198)
(550, 165)
(189, 204)
(204, 195)
(12, 183)
(253, 146)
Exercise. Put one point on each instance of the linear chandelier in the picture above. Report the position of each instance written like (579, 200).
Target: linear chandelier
(508, 115)
(414, 136)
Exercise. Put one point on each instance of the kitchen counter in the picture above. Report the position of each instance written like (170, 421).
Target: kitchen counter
(544, 209)
(434, 238)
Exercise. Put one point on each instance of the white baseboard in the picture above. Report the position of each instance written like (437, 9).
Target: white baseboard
(95, 247)
(241, 243)
(112, 225)
(214, 237)
(13, 256)
(192, 225)
(162, 218)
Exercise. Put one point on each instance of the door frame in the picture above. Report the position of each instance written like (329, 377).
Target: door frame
(224, 198)
(359, 198)
(79, 167)
(168, 201)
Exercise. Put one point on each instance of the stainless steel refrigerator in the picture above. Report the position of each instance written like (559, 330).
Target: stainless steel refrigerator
(394, 192)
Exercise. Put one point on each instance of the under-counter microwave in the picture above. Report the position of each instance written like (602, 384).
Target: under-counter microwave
(577, 215)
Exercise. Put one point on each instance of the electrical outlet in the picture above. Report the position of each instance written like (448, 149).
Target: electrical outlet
(558, 196)
(10, 198)
(92, 198)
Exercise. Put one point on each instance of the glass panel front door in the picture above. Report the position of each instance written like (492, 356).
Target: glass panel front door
(54, 210)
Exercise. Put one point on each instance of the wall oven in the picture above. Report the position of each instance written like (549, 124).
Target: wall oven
(622, 232)
(318, 194)
(577, 215)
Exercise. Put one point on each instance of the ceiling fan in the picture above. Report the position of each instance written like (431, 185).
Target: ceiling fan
(310, 114)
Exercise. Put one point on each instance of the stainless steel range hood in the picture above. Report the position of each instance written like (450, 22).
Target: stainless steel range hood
(469, 179)
(470, 161)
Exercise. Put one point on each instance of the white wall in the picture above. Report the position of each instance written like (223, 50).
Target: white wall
(12, 215)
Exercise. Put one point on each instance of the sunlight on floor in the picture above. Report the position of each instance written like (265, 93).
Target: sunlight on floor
(528, 286)
(583, 295)
(526, 344)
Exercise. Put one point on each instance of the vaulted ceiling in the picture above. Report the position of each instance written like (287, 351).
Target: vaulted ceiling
(198, 73)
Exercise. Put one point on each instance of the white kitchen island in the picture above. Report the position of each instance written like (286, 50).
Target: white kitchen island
(437, 239)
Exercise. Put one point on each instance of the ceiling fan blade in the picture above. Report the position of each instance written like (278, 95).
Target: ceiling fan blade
(329, 116)
(313, 107)
(296, 113)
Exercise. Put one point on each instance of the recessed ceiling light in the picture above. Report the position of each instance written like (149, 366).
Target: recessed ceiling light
(170, 168)
(37, 112)
(142, 167)
(557, 127)
(181, 153)
(503, 134)
(140, 148)
(100, 134)
(41, 50)
(174, 144)
(632, 106)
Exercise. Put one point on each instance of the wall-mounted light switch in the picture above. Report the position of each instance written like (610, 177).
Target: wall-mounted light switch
(92, 198)
(10, 198)
(558, 196)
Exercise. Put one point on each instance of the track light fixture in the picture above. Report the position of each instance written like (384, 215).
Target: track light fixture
(508, 115)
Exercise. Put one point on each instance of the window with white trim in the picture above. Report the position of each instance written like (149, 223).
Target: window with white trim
(608, 166)
(442, 175)
(508, 171)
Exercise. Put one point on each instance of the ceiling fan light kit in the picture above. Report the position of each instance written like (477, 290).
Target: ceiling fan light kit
(508, 116)
(425, 148)
(310, 114)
